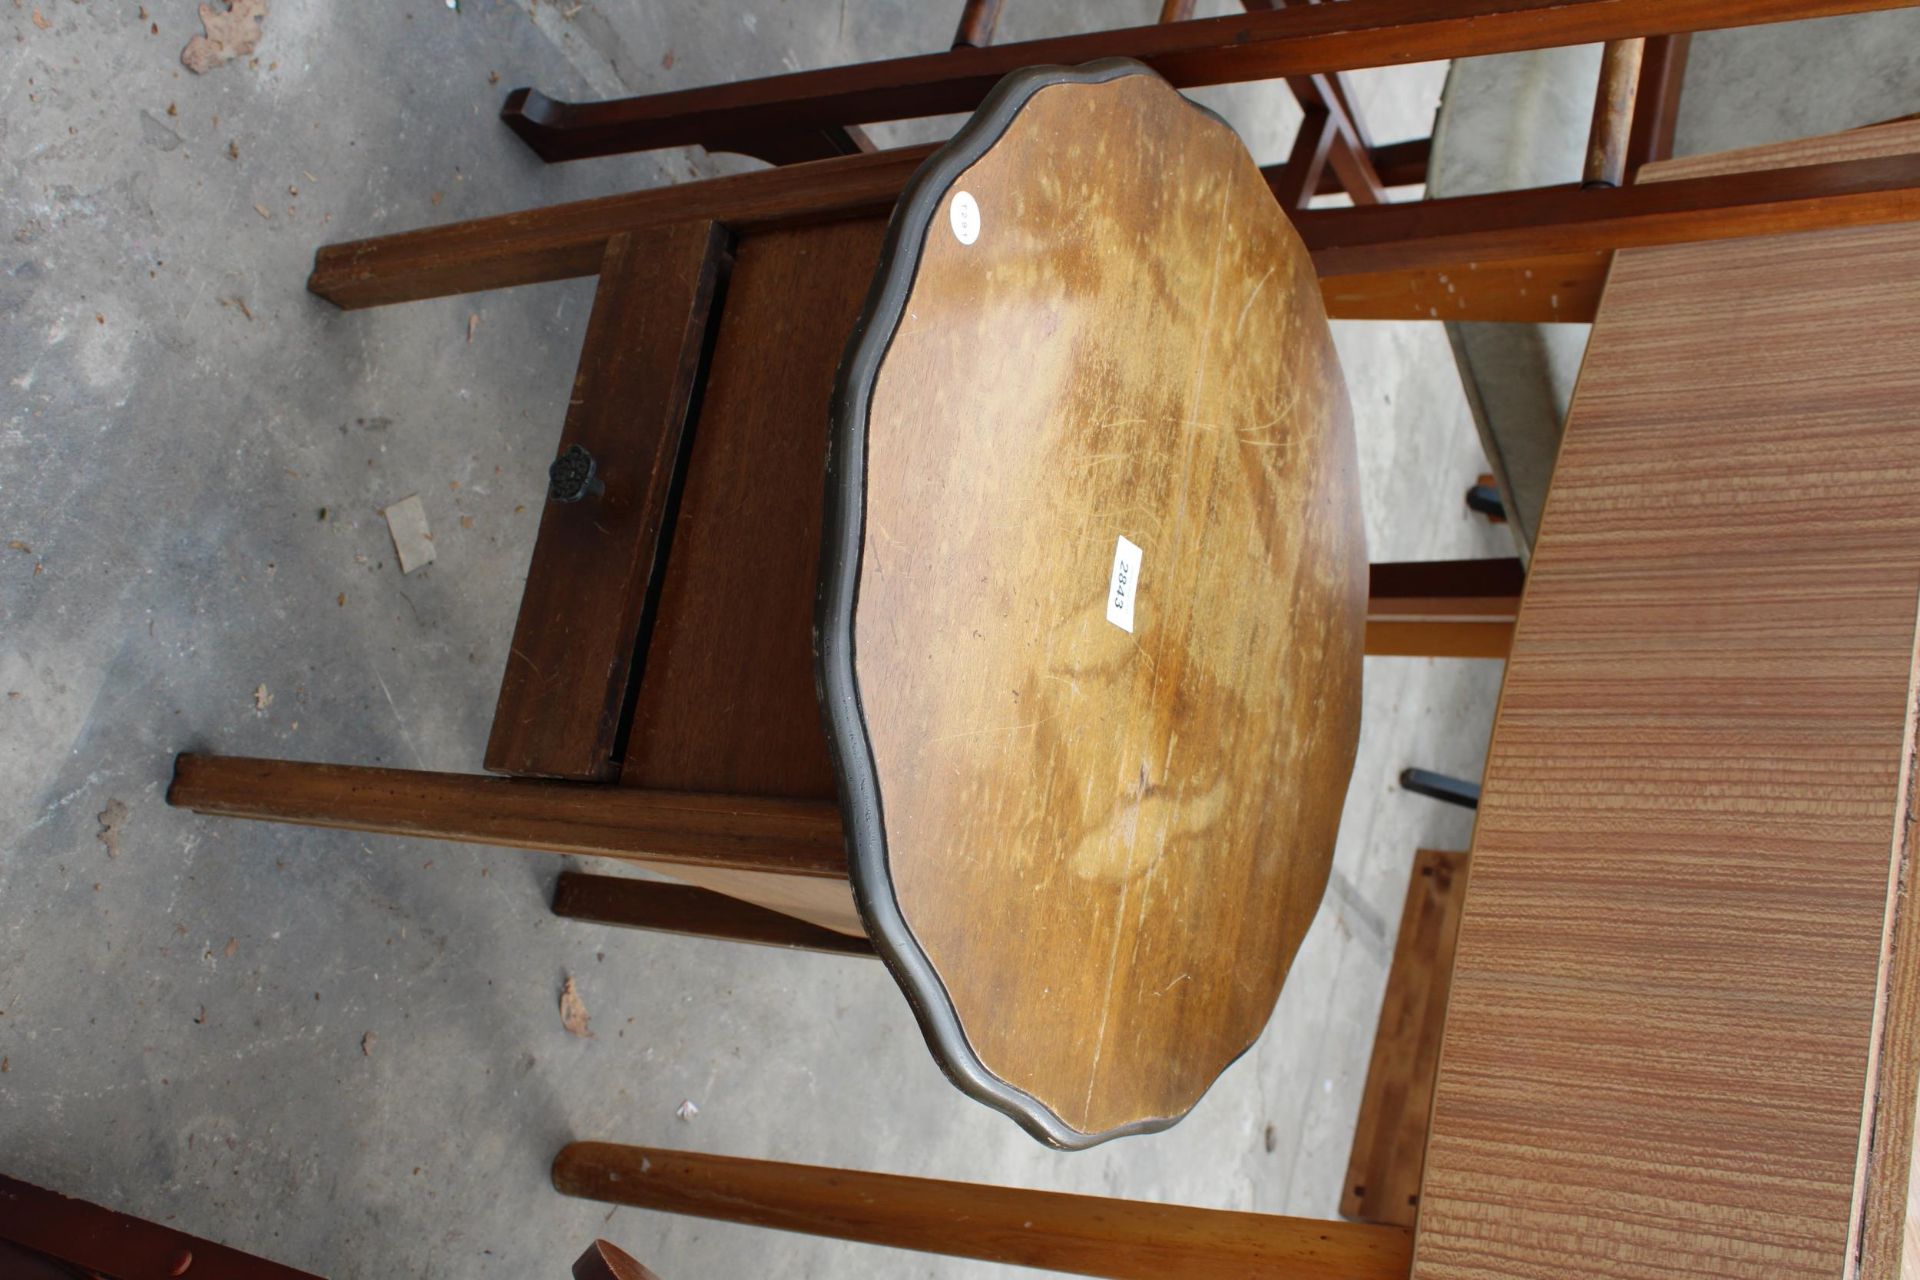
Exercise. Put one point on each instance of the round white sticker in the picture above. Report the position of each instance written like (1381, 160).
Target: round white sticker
(965, 216)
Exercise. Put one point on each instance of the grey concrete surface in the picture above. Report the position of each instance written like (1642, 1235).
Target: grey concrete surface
(344, 1052)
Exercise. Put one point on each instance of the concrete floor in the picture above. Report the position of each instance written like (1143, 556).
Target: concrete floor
(344, 1052)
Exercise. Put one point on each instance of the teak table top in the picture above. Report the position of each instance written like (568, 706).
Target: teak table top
(1093, 601)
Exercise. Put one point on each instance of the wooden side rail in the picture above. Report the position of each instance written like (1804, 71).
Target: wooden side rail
(745, 833)
(1404, 260)
(1443, 608)
(1083, 1235)
(759, 116)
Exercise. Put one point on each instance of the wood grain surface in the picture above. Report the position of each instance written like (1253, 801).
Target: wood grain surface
(726, 700)
(1682, 1040)
(1396, 1107)
(572, 658)
(1109, 843)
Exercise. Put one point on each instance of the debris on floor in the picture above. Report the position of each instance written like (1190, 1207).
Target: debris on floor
(232, 32)
(687, 1110)
(111, 819)
(412, 540)
(261, 698)
(573, 1011)
(367, 1042)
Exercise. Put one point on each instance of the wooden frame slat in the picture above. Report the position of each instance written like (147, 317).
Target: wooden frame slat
(1084, 1235)
(745, 833)
(1297, 40)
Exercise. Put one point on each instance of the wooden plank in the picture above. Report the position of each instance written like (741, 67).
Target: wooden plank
(1298, 40)
(1437, 258)
(1446, 235)
(1553, 290)
(1679, 1042)
(1656, 111)
(572, 657)
(1443, 608)
(1082, 1235)
(1155, 785)
(1439, 638)
(562, 241)
(727, 699)
(746, 833)
(99, 1242)
(1390, 1137)
(683, 909)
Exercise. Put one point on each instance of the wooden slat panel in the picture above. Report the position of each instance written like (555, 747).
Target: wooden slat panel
(727, 699)
(1390, 1138)
(1675, 1045)
(734, 833)
(571, 659)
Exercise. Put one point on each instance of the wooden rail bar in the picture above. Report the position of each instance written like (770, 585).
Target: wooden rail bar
(1366, 257)
(1297, 40)
(1082, 1235)
(1454, 235)
(741, 833)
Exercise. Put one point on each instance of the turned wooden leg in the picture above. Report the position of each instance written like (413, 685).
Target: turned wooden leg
(1444, 608)
(1084, 1235)
(699, 913)
(1613, 104)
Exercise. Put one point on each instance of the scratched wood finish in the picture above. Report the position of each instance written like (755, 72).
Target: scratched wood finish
(1107, 844)
(571, 661)
(1390, 1137)
(727, 700)
(1677, 1045)
(1082, 1235)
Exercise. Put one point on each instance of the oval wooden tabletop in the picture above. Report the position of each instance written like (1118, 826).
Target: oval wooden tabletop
(1093, 596)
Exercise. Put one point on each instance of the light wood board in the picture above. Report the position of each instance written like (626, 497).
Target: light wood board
(1676, 1045)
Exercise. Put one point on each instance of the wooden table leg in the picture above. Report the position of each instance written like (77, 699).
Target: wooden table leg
(1083, 1235)
(742, 833)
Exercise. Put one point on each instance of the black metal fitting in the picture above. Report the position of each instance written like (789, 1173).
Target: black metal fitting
(573, 476)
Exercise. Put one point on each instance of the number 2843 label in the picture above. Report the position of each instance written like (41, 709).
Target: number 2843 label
(1124, 585)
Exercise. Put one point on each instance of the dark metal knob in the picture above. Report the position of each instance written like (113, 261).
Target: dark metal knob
(572, 476)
